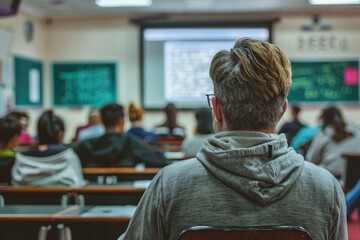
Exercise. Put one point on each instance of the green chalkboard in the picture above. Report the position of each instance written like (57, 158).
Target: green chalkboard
(28, 81)
(324, 81)
(84, 84)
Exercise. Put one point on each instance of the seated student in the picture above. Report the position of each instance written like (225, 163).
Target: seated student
(291, 128)
(332, 141)
(204, 130)
(49, 163)
(24, 139)
(95, 128)
(10, 130)
(136, 116)
(170, 129)
(114, 148)
(245, 174)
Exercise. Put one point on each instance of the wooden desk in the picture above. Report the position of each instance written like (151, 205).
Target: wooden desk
(352, 170)
(24, 221)
(94, 195)
(122, 174)
(120, 214)
(32, 213)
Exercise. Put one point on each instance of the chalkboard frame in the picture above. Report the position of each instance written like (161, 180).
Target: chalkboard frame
(320, 60)
(114, 65)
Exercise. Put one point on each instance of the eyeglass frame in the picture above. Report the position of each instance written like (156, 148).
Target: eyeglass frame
(209, 97)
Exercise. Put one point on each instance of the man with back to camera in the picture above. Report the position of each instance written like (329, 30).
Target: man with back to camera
(114, 149)
(245, 175)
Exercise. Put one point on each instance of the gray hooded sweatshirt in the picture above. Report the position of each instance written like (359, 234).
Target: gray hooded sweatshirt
(241, 179)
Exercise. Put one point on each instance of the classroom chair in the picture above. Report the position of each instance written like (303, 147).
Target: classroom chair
(245, 233)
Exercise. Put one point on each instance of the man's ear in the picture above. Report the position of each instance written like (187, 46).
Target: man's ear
(284, 107)
(217, 109)
(218, 114)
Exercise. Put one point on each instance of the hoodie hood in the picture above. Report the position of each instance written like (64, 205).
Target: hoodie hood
(259, 166)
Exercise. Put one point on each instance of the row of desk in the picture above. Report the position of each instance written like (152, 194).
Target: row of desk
(103, 212)
(84, 222)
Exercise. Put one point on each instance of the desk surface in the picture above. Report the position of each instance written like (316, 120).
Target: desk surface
(67, 214)
(99, 171)
(99, 214)
(85, 189)
(32, 213)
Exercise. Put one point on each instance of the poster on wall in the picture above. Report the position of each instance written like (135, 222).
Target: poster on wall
(28, 82)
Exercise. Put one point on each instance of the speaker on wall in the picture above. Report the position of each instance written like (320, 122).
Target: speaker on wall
(9, 7)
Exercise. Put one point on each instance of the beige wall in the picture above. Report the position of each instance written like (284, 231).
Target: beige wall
(118, 40)
(344, 29)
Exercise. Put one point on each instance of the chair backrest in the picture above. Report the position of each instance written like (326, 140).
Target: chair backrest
(245, 233)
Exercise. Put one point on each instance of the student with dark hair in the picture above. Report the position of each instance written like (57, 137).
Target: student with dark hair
(24, 139)
(334, 139)
(49, 163)
(291, 128)
(114, 148)
(204, 129)
(10, 130)
(170, 128)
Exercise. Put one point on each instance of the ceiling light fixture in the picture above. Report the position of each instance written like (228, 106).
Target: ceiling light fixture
(123, 3)
(333, 2)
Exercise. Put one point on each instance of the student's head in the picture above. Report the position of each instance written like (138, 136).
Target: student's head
(135, 112)
(332, 116)
(94, 117)
(170, 112)
(251, 82)
(204, 121)
(10, 129)
(295, 110)
(22, 117)
(50, 128)
(112, 116)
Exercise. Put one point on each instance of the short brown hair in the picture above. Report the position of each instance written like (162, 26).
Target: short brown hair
(251, 81)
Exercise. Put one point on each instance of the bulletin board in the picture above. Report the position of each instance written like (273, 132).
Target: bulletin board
(28, 74)
(324, 81)
(83, 84)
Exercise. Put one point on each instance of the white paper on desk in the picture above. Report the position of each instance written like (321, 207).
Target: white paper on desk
(141, 183)
(110, 211)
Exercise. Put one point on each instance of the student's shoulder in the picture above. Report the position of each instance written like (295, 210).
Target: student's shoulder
(318, 176)
(183, 167)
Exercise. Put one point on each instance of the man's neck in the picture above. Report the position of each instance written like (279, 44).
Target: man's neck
(268, 130)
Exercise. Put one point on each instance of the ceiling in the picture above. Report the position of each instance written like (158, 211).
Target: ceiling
(62, 9)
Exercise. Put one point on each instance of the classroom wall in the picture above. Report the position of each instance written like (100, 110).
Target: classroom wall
(35, 49)
(341, 42)
(118, 40)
